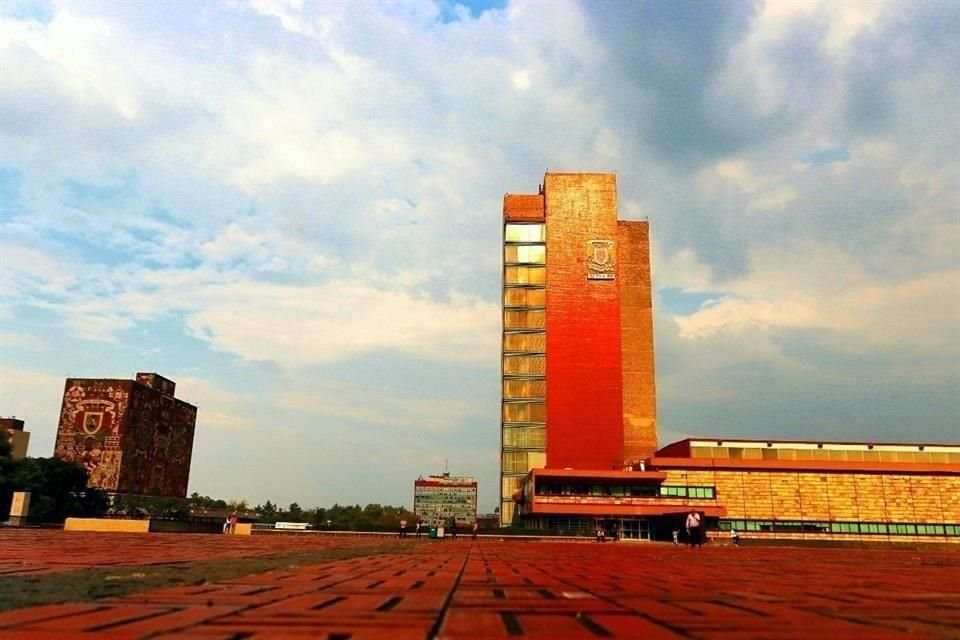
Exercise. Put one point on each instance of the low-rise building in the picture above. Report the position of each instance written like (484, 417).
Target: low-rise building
(762, 489)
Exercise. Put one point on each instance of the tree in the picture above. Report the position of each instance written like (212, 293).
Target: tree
(58, 489)
(294, 512)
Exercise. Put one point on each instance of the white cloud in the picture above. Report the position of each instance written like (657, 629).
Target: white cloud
(341, 319)
(822, 288)
(34, 397)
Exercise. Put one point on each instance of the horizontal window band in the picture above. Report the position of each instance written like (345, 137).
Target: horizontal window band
(520, 285)
(541, 308)
(841, 527)
(509, 425)
(532, 400)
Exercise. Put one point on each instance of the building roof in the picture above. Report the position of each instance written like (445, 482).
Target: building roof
(523, 208)
(608, 474)
(686, 443)
(836, 466)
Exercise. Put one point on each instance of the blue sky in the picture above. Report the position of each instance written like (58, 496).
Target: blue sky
(293, 208)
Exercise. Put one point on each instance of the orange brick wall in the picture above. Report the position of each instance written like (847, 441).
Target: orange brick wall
(816, 496)
(584, 388)
(636, 327)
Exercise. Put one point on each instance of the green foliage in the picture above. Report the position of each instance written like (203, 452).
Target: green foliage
(58, 489)
(373, 517)
(205, 502)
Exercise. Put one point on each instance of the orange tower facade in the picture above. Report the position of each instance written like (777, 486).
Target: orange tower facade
(578, 364)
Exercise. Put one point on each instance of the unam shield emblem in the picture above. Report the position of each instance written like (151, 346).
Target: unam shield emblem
(601, 259)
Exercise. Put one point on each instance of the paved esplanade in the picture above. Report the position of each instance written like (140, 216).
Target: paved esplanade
(493, 589)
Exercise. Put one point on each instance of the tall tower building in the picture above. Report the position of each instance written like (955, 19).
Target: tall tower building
(578, 385)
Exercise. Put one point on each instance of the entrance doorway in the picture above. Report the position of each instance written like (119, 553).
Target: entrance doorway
(627, 528)
(634, 529)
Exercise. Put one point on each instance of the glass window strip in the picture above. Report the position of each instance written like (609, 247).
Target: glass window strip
(844, 527)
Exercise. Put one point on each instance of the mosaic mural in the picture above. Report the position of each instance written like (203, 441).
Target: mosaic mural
(131, 438)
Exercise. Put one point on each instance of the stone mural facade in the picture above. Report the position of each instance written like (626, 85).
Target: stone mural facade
(132, 436)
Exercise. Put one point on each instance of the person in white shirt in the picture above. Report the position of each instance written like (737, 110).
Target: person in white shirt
(694, 529)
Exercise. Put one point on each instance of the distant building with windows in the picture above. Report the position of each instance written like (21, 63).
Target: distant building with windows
(132, 436)
(438, 499)
(19, 439)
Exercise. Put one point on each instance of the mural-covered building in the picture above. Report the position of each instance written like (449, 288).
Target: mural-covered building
(438, 499)
(132, 436)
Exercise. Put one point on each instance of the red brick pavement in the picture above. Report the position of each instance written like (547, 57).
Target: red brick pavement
(540, 590)
(39, 551)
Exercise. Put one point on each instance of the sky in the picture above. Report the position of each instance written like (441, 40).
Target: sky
(293, 210)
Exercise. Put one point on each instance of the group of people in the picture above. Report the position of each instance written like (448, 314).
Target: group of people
(418, 529)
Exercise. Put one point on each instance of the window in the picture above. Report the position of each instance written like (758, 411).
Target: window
(510, 484)
(524, 365)
(530, 254)
(529, 319)
(673, 492)
(931, 529)
(525, 342)
(525, 437)
(515, 462)
(524, 412)
(865, 528)
(524, 275)
(524, 389)
(643, 491)
(524, 233)
(524, 297)
(704, 493)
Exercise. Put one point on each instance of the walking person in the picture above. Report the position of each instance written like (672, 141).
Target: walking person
(734, 537)
(676, 537)
(453, 528)
(693, 529)
(476, 527)
(403, 528)
(232, 529)
(419, 527)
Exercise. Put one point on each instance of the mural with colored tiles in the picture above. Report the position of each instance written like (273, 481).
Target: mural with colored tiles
(131, 436)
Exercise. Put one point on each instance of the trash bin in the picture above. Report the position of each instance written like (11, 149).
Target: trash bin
(433, 532)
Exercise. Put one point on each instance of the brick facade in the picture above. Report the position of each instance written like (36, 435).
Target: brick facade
(584, 390)
(131, 436)
(917, 498)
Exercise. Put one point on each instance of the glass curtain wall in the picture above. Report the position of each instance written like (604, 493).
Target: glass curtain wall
(523, 364)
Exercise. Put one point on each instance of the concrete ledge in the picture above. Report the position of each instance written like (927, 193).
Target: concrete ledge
(106, 525)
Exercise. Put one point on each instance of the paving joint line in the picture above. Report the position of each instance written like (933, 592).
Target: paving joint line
(438, 623)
